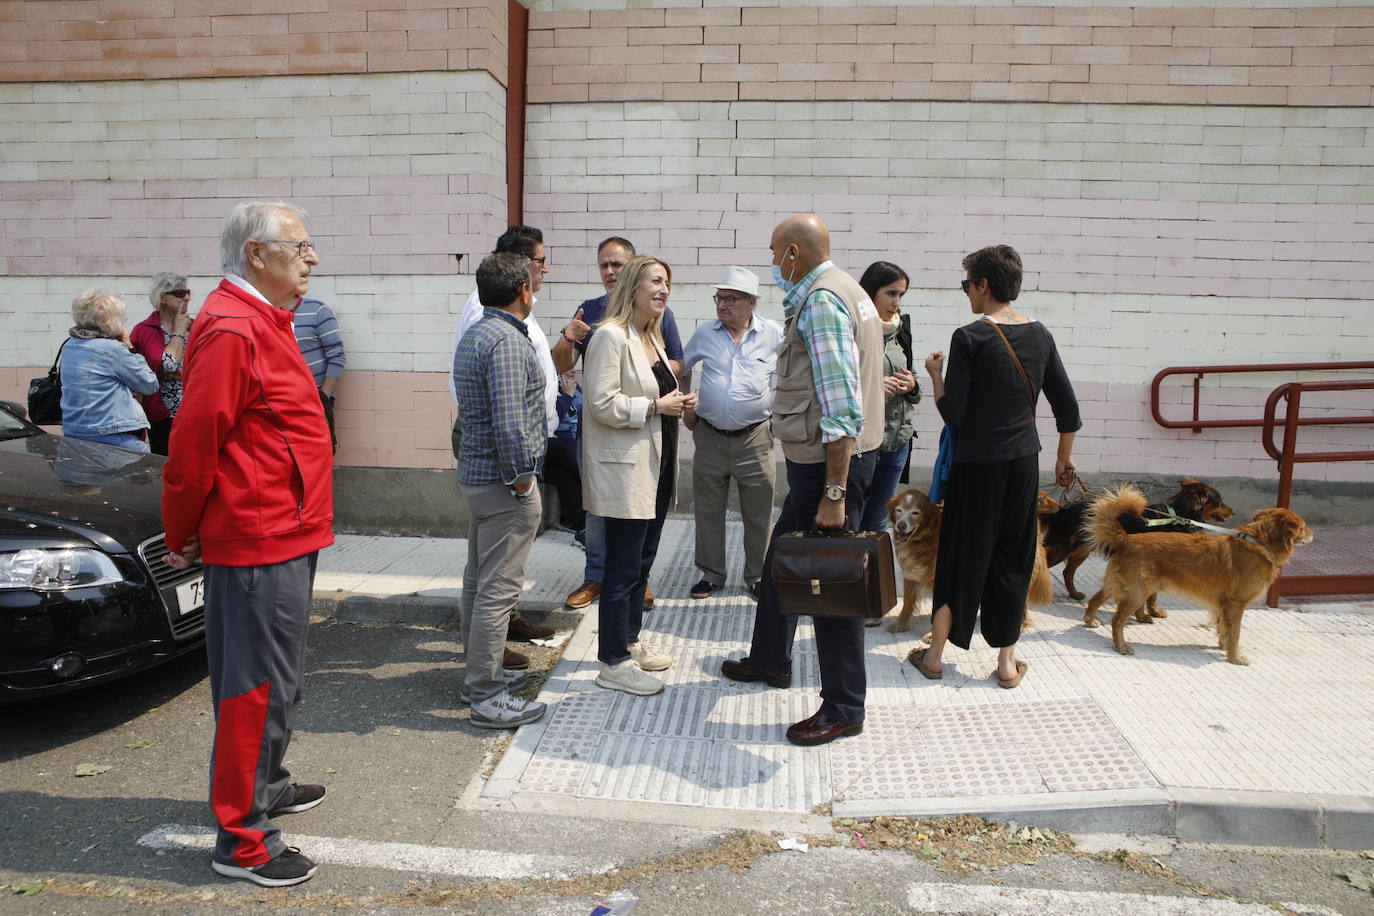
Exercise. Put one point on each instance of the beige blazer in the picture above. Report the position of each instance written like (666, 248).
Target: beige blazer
(621, 452)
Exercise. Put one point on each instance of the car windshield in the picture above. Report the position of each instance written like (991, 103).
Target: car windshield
(11, 427)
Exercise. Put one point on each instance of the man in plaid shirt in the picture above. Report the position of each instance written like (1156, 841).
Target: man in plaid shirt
(500, 390)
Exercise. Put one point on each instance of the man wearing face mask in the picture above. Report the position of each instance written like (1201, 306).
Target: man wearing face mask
(828, 416)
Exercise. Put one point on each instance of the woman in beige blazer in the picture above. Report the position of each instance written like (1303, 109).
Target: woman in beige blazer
(631, 406)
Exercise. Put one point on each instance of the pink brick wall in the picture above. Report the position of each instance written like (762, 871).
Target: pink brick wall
(160, 39)
(1019, 53)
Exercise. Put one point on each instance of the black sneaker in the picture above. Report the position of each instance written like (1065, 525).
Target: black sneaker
(704, 589)
(305, 798)
(291, 867)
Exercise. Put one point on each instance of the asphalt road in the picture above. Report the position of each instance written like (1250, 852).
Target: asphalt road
(401, 832)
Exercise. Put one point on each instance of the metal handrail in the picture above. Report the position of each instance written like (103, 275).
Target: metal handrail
(1197, 425)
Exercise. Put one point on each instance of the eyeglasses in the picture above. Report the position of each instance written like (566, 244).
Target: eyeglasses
(179, 293)
(301, 246)
(966, 284)
(729, 300)
(541, 261)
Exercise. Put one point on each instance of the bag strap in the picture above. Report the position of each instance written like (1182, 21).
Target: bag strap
(58, 357)
(1025, 379)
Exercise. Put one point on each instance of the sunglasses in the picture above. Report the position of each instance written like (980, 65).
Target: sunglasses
(179, 293)
(966, 284)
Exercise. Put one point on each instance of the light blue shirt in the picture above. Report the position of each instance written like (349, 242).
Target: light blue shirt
(735, 389)
(99, 379)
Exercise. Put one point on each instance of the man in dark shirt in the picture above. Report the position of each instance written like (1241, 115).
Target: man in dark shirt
(611, 255)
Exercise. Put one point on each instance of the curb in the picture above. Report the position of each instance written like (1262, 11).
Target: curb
(416, 610)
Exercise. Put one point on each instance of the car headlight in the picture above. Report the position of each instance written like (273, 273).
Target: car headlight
(56, 570)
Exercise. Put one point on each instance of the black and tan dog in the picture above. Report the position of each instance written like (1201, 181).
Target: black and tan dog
(1067, 542)
(1223, 571)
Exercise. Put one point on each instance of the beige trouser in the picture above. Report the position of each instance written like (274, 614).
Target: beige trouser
(748, 460)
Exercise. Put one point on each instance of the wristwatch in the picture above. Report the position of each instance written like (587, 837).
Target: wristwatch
(834, 492)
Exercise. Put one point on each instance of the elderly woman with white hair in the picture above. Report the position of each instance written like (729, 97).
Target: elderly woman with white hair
(101, 373)
(161, 340)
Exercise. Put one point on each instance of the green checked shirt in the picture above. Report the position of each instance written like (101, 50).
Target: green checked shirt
(824, 327)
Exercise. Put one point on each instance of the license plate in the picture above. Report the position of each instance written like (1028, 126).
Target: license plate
(190, 596)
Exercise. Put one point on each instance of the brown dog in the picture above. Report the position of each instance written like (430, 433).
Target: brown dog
(1194, 500)
(1067, 541)
(1222, 571)
(914, 523)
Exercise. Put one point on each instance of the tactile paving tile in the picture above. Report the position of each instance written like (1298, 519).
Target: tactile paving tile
(676, 771)
(770, 777)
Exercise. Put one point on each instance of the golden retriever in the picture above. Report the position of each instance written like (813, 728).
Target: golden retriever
(914, 524)
(1224, 572)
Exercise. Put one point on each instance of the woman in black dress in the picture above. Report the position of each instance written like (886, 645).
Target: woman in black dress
(988, 532)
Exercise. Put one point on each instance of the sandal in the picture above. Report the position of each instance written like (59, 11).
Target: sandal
(1009, 682)
(917, 658)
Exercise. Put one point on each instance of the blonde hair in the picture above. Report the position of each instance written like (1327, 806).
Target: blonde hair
(620, 309)
(100, 311)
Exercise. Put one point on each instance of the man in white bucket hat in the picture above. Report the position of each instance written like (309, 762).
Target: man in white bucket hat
(730, 427)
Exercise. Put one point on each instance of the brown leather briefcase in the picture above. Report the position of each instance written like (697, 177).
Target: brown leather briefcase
(834, 574)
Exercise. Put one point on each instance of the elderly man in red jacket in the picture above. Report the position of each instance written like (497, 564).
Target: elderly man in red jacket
(249, 490)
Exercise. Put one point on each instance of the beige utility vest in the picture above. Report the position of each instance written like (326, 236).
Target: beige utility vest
(796, 410)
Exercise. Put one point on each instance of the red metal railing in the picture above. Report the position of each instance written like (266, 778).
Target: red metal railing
(1286, 455)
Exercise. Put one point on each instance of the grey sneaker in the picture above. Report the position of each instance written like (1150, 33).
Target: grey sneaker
(629, 678)
(291, 867)
(505, 710)
(649, 660)
(514, 681)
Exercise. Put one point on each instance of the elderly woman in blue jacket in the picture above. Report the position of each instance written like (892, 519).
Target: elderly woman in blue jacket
(101, 373)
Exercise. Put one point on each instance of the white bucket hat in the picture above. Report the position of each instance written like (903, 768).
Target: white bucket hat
(740, 280)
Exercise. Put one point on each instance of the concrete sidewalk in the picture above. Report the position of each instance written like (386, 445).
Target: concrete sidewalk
(1173, 740)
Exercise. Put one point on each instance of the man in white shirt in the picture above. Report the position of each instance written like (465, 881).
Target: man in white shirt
(730, 427)
(527, 241)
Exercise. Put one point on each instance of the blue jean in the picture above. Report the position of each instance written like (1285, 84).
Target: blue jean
(595, 569)
(620, 614)
(886, 474)
(839, 641)
(132, 441)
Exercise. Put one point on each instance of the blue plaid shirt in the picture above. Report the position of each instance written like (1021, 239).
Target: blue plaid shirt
(500, 390)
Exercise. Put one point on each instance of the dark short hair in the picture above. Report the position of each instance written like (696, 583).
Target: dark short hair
(1000, 265)
(519, 239)
(499, 278)
(616, 240)
(880, 274)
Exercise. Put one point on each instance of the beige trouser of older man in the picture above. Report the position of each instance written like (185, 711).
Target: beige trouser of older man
(746, 458)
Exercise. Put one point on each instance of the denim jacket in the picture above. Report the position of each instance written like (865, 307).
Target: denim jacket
(98, 378)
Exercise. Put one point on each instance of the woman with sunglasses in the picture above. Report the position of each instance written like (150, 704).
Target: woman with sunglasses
(161, 340)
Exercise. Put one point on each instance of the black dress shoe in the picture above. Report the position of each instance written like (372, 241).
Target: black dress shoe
(741, 670)
(820, 730)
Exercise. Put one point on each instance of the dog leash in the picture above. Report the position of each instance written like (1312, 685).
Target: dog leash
(1171, 517)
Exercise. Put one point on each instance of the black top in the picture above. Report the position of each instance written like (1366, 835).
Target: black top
(666, 382)
(985, 396)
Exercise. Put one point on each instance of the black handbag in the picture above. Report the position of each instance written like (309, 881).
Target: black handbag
(45, 394)
(834, 574)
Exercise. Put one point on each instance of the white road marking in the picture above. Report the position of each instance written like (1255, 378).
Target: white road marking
(977, 900)
(434, 860)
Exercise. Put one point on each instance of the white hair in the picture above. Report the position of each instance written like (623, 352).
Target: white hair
(164, 282)
(100, 311)
(258, 220)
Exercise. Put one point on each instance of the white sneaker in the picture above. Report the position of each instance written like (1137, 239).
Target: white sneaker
(645, 657)
(628, 677)
(514, 681)
(505, 710)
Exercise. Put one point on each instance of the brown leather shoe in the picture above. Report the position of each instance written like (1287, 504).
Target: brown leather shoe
(521, 630)
(513, 659)
(584, 594)
(648, 598)
(741, 670)
(820, 730)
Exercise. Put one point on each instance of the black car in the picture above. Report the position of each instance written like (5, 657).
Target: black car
(84, 594)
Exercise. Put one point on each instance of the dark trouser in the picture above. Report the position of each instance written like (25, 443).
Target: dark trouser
(886, 473)
(255, 623)
(560, 471)
(158, 435)
(839, 642)
(631, 545)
